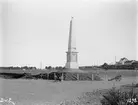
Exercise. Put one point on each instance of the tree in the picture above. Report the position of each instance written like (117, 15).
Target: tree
(46, 67)
(49, 67)
(105, 66)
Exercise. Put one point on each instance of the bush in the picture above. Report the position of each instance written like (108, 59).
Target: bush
(117, 97)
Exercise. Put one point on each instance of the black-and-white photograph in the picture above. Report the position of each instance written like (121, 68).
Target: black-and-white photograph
(68, 52)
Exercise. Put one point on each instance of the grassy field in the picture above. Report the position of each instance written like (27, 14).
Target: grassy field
(43, 92)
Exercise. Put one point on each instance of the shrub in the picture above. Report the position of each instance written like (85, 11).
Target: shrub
(117, 97)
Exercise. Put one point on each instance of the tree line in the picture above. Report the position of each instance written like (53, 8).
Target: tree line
(131, 66)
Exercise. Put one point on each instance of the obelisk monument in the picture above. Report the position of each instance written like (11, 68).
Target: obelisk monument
(72, 58)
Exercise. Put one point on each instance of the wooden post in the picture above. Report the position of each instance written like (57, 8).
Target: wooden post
(92, 76)
(62, 77)
(77, 76)
(54, 76)
(47, 76)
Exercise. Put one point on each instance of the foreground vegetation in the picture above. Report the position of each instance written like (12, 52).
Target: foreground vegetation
(120, 97)
(30, 89)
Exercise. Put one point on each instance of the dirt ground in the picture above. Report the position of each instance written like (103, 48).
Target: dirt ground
(43, 92)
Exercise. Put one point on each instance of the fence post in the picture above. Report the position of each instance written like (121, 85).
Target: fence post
(54, 76)
(92, 76)
(47, 76)
(77, 76)
(62, 77)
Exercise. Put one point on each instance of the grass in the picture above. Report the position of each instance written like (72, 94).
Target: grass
(40, 92)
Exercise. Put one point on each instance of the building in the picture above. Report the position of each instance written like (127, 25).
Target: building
(125, 61)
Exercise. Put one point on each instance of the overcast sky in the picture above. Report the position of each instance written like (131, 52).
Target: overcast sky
(34, 31)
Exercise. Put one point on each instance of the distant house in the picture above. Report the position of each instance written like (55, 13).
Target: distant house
(122, 61)
(125, 61)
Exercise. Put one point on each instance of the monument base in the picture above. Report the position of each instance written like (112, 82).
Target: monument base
(72, 65)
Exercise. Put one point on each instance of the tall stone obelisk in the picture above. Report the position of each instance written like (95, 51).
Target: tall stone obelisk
(72, 62)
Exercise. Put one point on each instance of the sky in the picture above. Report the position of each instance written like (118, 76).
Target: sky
(34, 32)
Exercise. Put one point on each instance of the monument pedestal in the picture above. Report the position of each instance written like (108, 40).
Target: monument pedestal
(72, 65)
